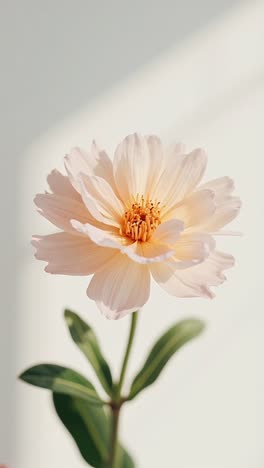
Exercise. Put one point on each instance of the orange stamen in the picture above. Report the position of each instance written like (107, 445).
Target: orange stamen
(141, 219)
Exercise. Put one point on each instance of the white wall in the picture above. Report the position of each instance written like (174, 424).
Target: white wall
(207, 409)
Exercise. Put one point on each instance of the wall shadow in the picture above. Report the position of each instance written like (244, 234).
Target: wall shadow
(56, 57)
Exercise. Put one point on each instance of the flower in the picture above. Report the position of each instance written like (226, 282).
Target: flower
(143, 215)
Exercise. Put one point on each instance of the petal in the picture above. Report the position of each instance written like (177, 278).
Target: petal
(221, 187)
(212, 269)
(194, 246)
(168, 232)
(175, 150)
(104, 238)
(182, 174)
(101, 200)
(59, 210)
(227, 206)
(194, 281)
(224, 214)
(141, 252)
(148, 252)
(196, 208)
(159, 247)
(95, 163)
(156, 250)
(68, 254)
(122, 287)
(60, 185)
(138, 163)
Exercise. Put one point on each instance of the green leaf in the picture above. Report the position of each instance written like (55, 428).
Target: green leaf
(162, 351)
(123, 459)
(90, 428)
(83, 335)
(61, 380)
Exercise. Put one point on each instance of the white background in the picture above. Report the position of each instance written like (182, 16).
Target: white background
(80, 72)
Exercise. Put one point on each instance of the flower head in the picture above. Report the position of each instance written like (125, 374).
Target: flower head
(143, 215)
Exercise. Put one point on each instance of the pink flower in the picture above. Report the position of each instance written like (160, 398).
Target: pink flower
(143, 215)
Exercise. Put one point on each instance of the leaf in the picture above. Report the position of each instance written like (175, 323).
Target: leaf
(61, 380)
(123, 459)
(162, 351)
(90, 428)
(83, 335)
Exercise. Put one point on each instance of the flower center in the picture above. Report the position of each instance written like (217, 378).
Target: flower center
(141, 219)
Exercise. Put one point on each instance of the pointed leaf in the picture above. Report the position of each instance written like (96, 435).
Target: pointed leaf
(90, 428)
(83, 335)
(163, 350)
(123, 459)
(61, 380)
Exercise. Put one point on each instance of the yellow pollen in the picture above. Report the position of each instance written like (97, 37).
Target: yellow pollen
(141, 219)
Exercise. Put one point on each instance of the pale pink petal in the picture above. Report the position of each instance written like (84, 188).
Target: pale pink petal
(168, 232)
(194, 246)
(212, 269)
(194, 209)
(69, 254)
(176, 149)
(104, 238)
(59, 210)
(224, 214)
(221, 187)
(160, 247)
(138, 163)
(60, 185)
(148, 252)
(96, 162)
(196, 280)
(182, 174)
(170, 280)
(227, 206)
(101, 200)
(141, 252)
(122, 287)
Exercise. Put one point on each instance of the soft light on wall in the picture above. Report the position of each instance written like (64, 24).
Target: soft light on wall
(209, 92)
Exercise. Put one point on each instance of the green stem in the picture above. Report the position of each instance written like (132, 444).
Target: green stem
(114, 436)
(133, 325)
(117, 403)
